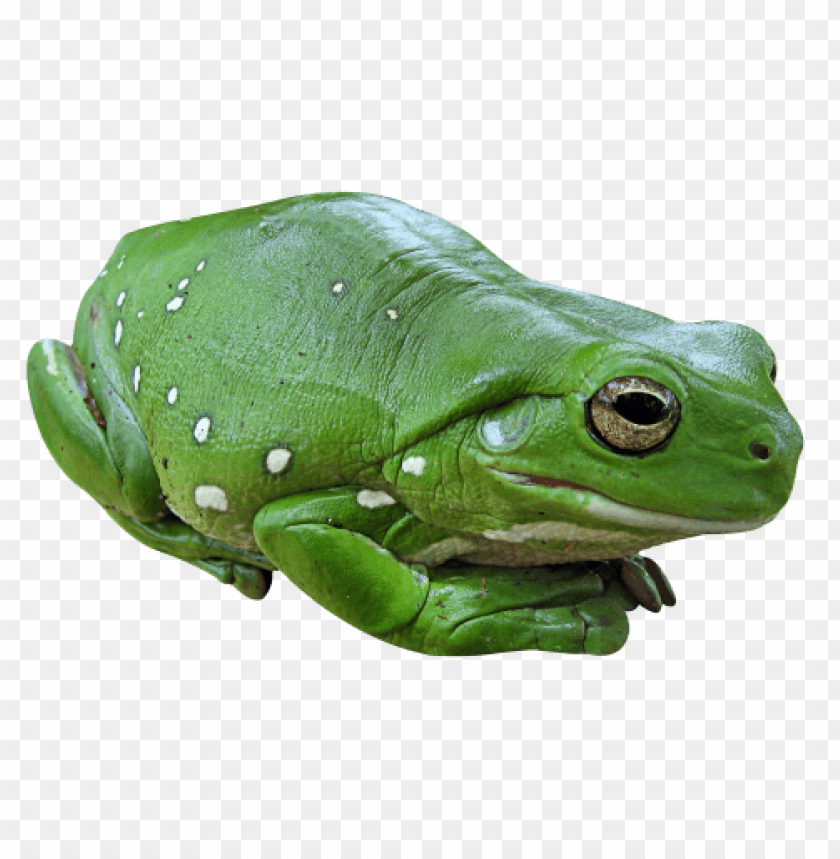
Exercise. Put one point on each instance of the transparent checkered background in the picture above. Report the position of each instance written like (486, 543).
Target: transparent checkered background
(681, 159)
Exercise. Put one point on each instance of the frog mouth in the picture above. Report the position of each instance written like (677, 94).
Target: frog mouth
(601, 506)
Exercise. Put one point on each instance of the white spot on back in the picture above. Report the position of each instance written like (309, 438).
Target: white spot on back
(103, 272)
(277, 459)
(118, 328)
(211, 498)
(174, 304)
(338, 288)
(414, 465)
(135, 378)
(392, 313)
(202, 429)
(171, 396)
(183, 283)
(120, 263)
(201, 265)
(371, 499)
(139, 314)
(121, 299)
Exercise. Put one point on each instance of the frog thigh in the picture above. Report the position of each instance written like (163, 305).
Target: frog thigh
(110, 460)
(328, 543)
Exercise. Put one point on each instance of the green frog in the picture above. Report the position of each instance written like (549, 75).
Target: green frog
(443, 452)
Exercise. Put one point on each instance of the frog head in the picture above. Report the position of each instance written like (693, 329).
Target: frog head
(641, 441)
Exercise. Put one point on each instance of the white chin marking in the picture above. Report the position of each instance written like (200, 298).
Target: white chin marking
(530, 545)
(635, 517)
(601, 507)
(552, 532)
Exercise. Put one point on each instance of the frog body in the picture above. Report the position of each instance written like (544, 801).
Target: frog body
(363, 396)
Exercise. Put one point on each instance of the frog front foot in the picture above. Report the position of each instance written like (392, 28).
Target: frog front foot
(573, 608)
(473, 610)
(449, 610)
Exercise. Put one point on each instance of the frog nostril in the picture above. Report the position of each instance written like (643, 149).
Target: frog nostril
(759, 450)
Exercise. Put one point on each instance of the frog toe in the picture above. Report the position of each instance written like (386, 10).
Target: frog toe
(666, 592)
(250, 581)
(645, 580)
(640, 583)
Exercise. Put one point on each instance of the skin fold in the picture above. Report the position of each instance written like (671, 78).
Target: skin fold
(441, 451)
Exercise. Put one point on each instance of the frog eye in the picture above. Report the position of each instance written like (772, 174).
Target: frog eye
(633, 414)
(505, 428)
(773, 371)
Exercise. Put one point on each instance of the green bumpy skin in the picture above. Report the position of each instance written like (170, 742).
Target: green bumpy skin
(444, 453)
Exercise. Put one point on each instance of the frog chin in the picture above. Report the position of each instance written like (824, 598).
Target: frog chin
(599, 506)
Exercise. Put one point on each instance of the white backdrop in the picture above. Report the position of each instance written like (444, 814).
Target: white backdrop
(682, 159)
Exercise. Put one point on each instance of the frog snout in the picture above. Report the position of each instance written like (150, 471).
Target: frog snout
(777, 445)
(768, 451)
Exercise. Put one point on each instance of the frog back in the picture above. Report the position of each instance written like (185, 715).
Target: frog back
(258, 350)
(299, 344)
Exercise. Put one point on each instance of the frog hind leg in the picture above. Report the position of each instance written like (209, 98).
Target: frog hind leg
(99, 446)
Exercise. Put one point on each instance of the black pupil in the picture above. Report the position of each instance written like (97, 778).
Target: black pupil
(640, 408)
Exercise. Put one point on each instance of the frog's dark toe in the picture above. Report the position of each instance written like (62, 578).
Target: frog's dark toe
(640, 583)
(251, 582)
(666, 592)
(644, 578)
